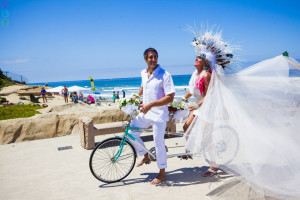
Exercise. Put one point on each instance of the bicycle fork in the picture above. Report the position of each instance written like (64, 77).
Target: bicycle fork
(128, 136)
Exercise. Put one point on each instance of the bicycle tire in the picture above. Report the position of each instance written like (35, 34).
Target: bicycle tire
(225, 143)
(101, 164)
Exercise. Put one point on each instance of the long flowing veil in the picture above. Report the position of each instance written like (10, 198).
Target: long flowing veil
(249, 124)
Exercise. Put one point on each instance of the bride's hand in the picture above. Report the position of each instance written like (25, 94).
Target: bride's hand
(192, 108)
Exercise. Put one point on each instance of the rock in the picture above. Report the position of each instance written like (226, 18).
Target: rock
(54, 124)
(34, 89)
(23, 98)
(12, 89)
(45, 105)
(20, 103)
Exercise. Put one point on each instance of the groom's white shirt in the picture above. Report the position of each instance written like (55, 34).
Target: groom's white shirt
(156, 87)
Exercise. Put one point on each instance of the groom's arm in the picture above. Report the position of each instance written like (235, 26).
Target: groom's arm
(140, 92)
(161, 102)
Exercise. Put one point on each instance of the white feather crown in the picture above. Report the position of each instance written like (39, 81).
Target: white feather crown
(211, 46)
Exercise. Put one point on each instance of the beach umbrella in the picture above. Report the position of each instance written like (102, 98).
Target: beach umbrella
(56, 89)
(76, 88)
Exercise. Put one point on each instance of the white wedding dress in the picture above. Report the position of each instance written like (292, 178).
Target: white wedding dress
(249, 124)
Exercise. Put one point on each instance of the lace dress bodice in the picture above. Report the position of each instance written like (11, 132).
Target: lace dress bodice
(193, 88)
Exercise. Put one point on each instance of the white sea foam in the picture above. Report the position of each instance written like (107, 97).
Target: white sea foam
(108, 90)
(182, 87)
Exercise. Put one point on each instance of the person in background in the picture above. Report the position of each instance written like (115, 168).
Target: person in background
(75, 97)
(65, 93)
(71, 96)
(87, 100)
(80, 96)
(114, 96)
(43, 92)
(117, 95)
(123, 91)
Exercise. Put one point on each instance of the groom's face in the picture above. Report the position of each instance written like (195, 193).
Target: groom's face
(151, 59)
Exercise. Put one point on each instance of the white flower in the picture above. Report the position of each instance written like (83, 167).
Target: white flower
(135, 95)
(178, 105)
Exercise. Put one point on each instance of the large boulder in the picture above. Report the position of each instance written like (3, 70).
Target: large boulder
(55, 124)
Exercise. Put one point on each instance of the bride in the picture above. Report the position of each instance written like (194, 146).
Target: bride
(249, 122)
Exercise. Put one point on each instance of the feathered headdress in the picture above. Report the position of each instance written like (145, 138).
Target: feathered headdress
(211, 46)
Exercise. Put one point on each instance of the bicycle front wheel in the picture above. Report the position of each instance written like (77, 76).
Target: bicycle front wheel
(102, 164)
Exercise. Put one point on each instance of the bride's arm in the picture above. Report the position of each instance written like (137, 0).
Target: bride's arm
(187, 95)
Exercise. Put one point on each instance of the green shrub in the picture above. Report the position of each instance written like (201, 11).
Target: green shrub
(18, 111)
(5, 81)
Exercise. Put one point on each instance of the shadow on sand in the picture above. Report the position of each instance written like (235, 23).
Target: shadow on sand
(176, 178)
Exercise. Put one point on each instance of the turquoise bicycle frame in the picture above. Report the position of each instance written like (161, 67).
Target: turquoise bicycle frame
(126, 134)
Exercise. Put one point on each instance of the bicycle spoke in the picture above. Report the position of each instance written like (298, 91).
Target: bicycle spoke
(123, 157)
(122, 168)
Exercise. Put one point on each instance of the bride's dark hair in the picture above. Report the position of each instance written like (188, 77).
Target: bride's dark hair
(207, 65)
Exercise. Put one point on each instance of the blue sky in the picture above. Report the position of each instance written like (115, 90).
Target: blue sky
(64, 40)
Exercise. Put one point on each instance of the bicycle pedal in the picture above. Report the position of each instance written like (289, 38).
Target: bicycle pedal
(182, 157)
(148, 162)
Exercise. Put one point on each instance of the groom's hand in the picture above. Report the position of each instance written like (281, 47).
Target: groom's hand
(145, 107)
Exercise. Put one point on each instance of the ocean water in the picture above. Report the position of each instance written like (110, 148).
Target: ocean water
(130, 85)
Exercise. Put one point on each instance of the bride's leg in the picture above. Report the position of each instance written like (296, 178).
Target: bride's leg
(188, 122)
(185, 127)
(208, 138)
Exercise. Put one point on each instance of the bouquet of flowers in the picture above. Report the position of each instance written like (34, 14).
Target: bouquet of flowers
(128, 105)
(178, 105)
(181, 110)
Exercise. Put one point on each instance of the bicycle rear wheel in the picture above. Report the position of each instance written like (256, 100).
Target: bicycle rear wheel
(221, 146)
(102, 165)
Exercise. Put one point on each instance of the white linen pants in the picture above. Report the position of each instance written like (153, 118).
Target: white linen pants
(158, 136)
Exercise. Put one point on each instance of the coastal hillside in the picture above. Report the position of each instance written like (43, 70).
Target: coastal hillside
(5, 81)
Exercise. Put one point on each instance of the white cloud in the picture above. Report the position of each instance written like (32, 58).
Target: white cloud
(7, 62)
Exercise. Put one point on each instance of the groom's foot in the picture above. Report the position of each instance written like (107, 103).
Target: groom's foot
(159, 179)
(145, 160)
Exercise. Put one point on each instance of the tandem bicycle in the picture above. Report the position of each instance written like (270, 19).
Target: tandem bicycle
(114, 158)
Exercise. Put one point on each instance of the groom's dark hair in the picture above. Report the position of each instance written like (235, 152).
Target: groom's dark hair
(148, 50)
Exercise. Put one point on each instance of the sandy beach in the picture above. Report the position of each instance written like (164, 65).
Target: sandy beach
(38, 170)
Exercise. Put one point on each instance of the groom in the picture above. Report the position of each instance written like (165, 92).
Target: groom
(158, 91)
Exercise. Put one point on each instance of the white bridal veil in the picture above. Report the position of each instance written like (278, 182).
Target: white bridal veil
(249, 124)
